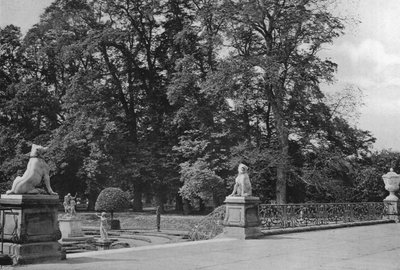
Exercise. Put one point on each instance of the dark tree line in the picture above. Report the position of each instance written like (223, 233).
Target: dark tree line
(167, 97)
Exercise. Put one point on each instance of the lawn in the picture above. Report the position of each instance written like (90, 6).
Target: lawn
(144, 220)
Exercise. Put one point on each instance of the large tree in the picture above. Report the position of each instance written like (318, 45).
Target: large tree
(134, 89)
(109, 62)
(277, 42)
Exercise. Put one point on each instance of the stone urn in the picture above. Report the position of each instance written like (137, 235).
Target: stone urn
(392, 181)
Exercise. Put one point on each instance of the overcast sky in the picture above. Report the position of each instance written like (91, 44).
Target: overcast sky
(368, 56)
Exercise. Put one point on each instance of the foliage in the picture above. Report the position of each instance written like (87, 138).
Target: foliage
(276, 44)
(201, 182)
(112, 200)
(168, 97)
(369, 185)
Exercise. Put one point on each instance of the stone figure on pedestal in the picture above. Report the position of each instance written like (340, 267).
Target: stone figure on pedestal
(36, 170)
(70, 223)
(242, 186)
(69, 205)
(103, 226)
(31, 228)
(241, 214)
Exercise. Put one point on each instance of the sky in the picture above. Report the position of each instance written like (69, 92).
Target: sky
(367, 55)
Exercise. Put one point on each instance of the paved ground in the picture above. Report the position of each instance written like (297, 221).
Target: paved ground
(361, 248)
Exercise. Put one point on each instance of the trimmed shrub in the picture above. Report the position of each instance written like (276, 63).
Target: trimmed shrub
(111, 200)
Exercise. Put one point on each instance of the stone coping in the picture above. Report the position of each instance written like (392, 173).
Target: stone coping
(323, 227)
(67, 219)
(31, 199)
(150, 247)
(77, 239)
(238, 199)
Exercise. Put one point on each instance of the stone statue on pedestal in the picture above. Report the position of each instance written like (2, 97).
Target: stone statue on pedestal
(69, 205)
(31, 230)
(242, 186)
(103, 226)
(241, 209)
(36, 170)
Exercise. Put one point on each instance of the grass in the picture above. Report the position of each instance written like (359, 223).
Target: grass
(144, 220)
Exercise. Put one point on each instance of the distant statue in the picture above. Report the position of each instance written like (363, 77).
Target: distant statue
(242, 186)
(72, 205)
(103, 226)
(36, 170)
(69, 205)
(67, 199)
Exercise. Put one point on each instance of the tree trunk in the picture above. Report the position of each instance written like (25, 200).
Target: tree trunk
(186, 207)
(283, 165)
(202, 206)
(137, 199)
(178, 203)
(283, 135)
(281, 183)
(160, 203)
(92, 197)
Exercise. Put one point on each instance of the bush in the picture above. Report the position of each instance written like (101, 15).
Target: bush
(111, 200)
(201, 182)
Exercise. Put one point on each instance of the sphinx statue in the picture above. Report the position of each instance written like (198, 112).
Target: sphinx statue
(242, 186)
(36, 171)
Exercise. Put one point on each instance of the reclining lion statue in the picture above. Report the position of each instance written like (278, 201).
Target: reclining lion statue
(36, 170)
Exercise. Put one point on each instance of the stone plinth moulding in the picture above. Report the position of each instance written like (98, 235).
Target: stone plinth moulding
(71, 230)
(71, 227)
(391, 180)
(31, 229)
(103, 244)
(241, 218)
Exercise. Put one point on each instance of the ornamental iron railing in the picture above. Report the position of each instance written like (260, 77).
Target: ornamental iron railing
(280, 216)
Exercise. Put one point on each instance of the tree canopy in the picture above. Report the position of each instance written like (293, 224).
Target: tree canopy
(167, 97)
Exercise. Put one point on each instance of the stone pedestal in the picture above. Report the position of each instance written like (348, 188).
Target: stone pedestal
(31, 230)
(241, 218)
(71, 228)
(73, 238)
(391, 210)
(392, 181)
(103, 244)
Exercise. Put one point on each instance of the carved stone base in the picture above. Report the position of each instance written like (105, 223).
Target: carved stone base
(391, 211)
(31, 227)
(103, 244)
(242, 233)
(241, 218)
(34, 252)
(71, 227)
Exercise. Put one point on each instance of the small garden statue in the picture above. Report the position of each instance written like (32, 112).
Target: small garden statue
(72, 205)
(36, 170)
(242, 186)
(103, 226)
(69, 205)
(67, 199)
